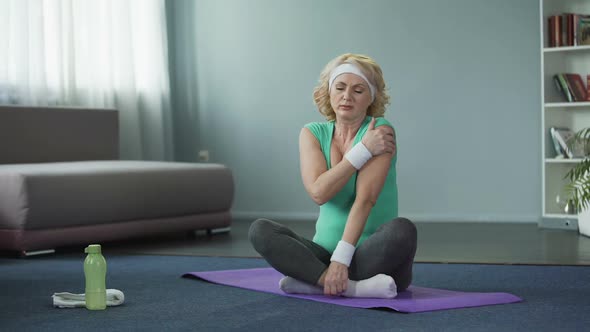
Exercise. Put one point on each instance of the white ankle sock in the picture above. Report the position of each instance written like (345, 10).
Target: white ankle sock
(380, 286)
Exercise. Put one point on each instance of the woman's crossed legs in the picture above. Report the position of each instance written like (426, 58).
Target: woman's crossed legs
(380, 267)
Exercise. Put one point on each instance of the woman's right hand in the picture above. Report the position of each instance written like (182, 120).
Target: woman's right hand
(379, 140)
(336, 279)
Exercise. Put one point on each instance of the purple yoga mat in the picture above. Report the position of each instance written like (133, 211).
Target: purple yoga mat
(414, 299)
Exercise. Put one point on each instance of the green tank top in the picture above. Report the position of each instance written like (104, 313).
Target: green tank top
(333, 214)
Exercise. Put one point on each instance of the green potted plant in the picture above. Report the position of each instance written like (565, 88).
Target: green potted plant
(578, 187)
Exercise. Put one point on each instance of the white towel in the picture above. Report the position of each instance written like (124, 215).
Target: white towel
(69, 300)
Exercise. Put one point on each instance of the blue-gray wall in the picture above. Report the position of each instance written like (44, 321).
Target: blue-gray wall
(463, 75)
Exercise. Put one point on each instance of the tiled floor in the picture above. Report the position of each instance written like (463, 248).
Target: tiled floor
(502, 243)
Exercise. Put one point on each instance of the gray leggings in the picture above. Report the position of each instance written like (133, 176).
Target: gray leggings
(390, 250)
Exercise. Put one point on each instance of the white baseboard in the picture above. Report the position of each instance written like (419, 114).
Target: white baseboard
(559, 223)
(473, 218)
(311, 216)
(274, 215)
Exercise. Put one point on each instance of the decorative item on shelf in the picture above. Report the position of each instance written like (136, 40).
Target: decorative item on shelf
(578, 187)
(570, 208)
(559, 151)
(563, 144)
(566, 206)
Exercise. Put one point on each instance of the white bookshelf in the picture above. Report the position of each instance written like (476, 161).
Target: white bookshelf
(556, 112)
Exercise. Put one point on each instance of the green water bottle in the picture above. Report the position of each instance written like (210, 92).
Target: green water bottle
(95, 271)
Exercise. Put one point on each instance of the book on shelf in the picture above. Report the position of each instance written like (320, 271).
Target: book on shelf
(559, 87)
(563, 87)
(556, 31)
(583, 30)
(571, 87)
(587, 87)
(568, 29)
(577, 87)
(567, 25)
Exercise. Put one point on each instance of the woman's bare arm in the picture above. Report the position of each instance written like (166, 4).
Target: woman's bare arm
(369, 184)
(320, 183)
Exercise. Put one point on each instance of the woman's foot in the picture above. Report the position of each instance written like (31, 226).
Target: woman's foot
(380, 286)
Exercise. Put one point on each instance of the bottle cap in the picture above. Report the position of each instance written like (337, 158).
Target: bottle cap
(92, 249)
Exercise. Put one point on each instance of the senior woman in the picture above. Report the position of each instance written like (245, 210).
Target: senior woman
(361, 248)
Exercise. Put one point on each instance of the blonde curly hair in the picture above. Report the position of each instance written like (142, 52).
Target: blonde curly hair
(321, 94)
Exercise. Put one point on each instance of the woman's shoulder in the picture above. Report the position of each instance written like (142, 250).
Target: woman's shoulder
(322, 124)
(381, 121)
(318, 128)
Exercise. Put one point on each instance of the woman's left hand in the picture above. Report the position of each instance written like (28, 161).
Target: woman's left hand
(336, 279)
(379, 140)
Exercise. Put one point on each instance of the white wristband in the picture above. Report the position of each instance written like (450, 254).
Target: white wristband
(358, 155)
(343, 253)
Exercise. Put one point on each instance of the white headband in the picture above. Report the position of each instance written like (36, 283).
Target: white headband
(347, 68)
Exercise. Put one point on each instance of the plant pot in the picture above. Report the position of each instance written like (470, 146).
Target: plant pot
(584, 222)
